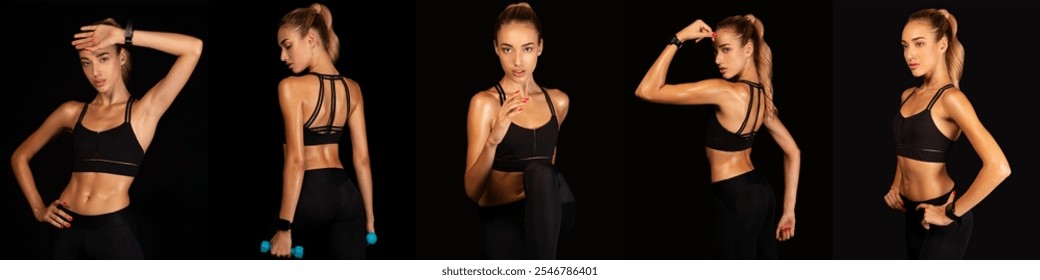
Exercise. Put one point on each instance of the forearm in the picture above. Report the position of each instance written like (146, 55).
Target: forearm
(991, 175)
(792, 167)
(655, 77)
(171, 43)
(292, 182)
(476, 174)
(25, 181)
(363, 170)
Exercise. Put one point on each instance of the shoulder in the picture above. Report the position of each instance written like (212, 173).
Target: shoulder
(70, 108)
(484, 98)
(560, 99)
(954, 98)
(907, 92)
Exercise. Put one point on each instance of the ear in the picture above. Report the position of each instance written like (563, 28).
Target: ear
(311, 38)
(122, 57)
(943, 44)
(749, 49)
(541, 46)
(494, 45)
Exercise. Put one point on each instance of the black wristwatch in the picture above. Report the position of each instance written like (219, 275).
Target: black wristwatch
(129, 35)
(675, 41)
(282, 225)
(951, 212)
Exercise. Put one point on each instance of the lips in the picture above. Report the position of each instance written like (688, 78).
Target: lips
(99, 83)
(722, 70)
(518, 73)
(913, 66)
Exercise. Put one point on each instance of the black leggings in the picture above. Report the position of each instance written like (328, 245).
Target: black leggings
(940, 242)
(330, 217)
(111, 236)
(533, 227)
(745, 227)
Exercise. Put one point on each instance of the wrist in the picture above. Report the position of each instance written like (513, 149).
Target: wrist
(283, 225)
(951, 211)
(676, 40)
(128, 33)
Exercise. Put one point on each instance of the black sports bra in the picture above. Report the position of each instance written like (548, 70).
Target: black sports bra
(328, 133)
(917, 137)
(114, 151)
(521, 146)
(717, 137)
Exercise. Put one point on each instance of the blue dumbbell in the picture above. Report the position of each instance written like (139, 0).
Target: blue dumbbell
(371, 238)
(297, 252)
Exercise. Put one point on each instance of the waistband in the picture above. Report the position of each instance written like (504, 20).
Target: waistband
(120, 217)
(911, 205)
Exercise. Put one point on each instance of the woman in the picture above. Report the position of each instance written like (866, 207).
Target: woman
(321, 208)
(512, 128)
(110, 135)
(743, 100)
(930, 118)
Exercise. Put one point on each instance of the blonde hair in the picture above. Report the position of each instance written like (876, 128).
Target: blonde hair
(945, 26)
(316, 17)
(521, 13)
(750, 29)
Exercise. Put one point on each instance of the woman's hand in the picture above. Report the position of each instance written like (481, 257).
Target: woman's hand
(280, 244)
(936, 215)
(785, 230)
(98, 36)
(55, 216)
(894, 201)
(513, 106)
(697, 31)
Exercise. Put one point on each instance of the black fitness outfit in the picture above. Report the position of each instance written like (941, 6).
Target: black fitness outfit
(330, 216)
(532, 227)
(745, 227)
(112, 235)
(918, 138)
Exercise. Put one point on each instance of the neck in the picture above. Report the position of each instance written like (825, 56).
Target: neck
(116, 95)
(509, 86)
(937, 79)
(323, 65)
(749, 74)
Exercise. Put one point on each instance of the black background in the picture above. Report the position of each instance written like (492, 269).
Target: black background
(246, 115)
(870, 74)
(670, 205)
(584, 57)
(170, 195)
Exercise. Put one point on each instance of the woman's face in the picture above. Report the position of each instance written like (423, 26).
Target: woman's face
(297, 49)
(518, 48)
(731, 56)
(103, 67)
(921, 50)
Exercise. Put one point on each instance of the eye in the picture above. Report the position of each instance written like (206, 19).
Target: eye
(84, 63)
(507, 50)
(918, 44)
(103, 59)
(725, 50)
(528, 49)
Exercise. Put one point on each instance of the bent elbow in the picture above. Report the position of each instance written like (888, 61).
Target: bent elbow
(1004, 170)
(196, 47)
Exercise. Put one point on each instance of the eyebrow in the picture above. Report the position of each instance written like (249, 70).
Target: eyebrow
(915, 39)
(509, 45)
(101, 54)
(723, 45)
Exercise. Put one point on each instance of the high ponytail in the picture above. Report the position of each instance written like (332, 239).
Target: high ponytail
(317, 17)
(945, 26)
(750, 29)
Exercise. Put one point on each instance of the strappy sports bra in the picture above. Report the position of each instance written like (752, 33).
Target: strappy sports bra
(114, 151)
(521, 146)
(717, 137)
(328, 133)
(917, 137)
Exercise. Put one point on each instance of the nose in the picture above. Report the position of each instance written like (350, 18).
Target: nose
(95, 71)
(283, 56)
(517, 61)
(718, 59)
